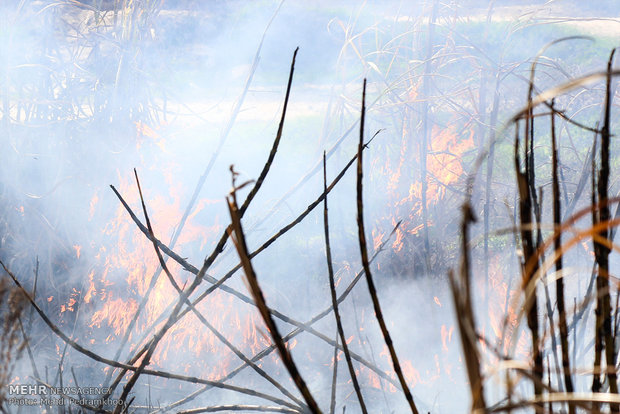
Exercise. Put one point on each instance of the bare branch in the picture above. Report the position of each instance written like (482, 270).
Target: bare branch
(259, 300)
(365, 263)
(332, 288)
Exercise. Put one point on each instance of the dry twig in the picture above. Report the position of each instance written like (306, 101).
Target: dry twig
(332, 288)
(365, 263)
(259, 300)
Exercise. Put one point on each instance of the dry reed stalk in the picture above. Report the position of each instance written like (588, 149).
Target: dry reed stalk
(240, 244)
(525, 216)
(489, 179)
(425, 129)
(332, 289)
(598, 338)
(603, 332)
(610, 346)
(462, 297)
(332, 399)
(365, 263)
(549, 307)
(557, 245)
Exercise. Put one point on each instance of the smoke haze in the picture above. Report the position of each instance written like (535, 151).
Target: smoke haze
(91, 90)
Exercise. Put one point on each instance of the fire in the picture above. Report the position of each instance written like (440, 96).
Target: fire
(445, 162)
(91, 287)
(445, 166)
(70, 305)
(446, 337)
(124, 273)
(398, 242)
(414, 88)
(374, 380)
(377, 238)
(93, 205)
(411, 374)
(501, 309)
(116, 313)
(145, 130)
(292, 344)
(436, 299)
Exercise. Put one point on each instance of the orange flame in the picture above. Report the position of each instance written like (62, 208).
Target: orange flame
(445, 166)
(436, 299)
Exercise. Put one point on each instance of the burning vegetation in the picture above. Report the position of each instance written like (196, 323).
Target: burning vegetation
(441, 240)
